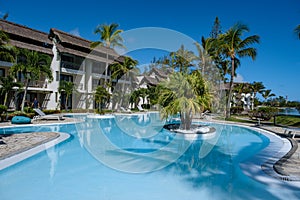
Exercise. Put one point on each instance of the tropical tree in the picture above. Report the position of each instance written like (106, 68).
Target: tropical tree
(124, 69)
(7, 85)
(267, 94)
(68, 88)
(109, 36)
(102, 96)
(297, 31)
(234, 47)
(186, 94)
(256, 87)
(32, 66)
(182, 59)
(7, 52)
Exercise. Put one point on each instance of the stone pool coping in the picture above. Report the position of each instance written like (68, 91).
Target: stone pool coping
(260, 167)
(24, 152)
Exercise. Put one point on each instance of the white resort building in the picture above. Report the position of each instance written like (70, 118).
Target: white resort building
(72, 60)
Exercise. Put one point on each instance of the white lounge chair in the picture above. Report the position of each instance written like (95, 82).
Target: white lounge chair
(291, 132)
(140, 108)
(125, 110)
(42, 115)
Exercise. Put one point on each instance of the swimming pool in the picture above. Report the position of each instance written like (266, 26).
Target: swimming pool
(139, 165)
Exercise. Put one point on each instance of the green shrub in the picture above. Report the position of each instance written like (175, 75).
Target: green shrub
(28, 110)
(3, 109)
(265, 113)
(49, 112)
(236, 110)
(20, 113)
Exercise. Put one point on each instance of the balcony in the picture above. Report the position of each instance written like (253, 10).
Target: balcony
(38, 84)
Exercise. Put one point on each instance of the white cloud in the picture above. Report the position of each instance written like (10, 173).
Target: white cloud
(75, 32)
(239, 79)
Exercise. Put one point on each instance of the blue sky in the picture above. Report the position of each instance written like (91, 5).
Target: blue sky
(278, 61)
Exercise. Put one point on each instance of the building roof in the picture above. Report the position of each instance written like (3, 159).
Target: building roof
(159, 72)
(68, 43)
(149, 80)
(37, 40)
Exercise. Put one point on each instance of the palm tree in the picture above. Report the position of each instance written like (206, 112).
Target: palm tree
(186, 94)
(203, 57)
(124, 69)
(101, 97)
(32, 66)
(297, 31)
(256, 87)
(68, 88)
(109, 36)
(7, 85)
(6, 51)
(182, 59)
(234, 47)
(267, 94)
(119, 69)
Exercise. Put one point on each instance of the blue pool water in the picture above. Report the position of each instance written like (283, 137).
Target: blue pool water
(105, 160)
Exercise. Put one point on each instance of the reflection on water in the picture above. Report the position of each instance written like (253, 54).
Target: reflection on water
(290, 111)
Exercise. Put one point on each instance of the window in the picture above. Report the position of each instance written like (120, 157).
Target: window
(68, 78)
(2, 72)
(57, 76)
(98, 67)
(67, 58)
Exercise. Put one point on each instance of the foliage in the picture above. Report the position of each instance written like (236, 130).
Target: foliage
(186, 94)
(20, 113)
(232, 46)
(236, 110)
(102, 97)
(8, 84)
(182, 59)
(109, 36)
(48, 112)
(28, 110)
(7, 52)
(68, 88)
(265, 113)
(32, 65)
(288, 121)
(297, 31)
(3, 109)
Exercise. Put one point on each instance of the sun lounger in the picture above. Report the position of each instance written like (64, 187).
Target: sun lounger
(42, 115)
(291, 131)
(125, 110)
(140, 108)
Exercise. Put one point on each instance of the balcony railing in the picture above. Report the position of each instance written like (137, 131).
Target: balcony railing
(38, 84)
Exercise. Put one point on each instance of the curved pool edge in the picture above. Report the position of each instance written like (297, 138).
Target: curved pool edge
(7, 162)
(260, 166)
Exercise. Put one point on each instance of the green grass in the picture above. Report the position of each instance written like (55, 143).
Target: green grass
(288, 121)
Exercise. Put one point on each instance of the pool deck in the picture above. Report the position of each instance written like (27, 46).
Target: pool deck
(284, 166)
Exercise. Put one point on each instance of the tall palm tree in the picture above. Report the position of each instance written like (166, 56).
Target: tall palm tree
(119, 69)
(68, 88)
(32, 66)
(267, 94)
(297, 31)
(109, 36)
(256, 87)
(234, 47)
(101, 97)
(124, 69)
(203, 57)
(7, 85)
(182, 59)
(186, 94)
(6, 51)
